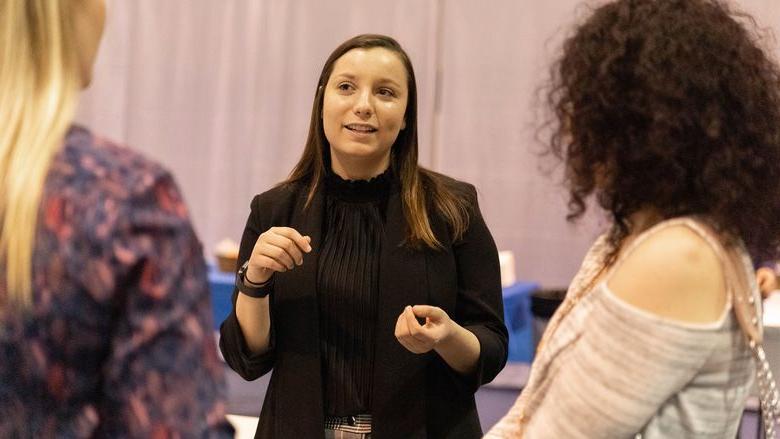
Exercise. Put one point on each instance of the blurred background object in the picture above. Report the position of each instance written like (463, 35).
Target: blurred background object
(506, 259)
(226, 253)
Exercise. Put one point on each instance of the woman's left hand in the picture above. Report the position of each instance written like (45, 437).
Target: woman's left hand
(418, 338)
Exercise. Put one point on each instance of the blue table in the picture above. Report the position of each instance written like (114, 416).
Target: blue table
(517, 310)
(518, 320)
(221, 285)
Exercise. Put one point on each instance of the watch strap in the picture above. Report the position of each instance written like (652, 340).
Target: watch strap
(249, 289)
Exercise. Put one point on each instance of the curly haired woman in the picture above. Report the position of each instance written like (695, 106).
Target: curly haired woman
(667, 113)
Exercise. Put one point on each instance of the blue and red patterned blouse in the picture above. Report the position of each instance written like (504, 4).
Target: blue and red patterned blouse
(118, 341)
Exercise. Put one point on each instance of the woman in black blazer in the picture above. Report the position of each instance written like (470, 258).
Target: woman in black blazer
(369, 285)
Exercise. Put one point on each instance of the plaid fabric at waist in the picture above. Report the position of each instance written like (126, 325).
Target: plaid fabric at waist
(352, 424)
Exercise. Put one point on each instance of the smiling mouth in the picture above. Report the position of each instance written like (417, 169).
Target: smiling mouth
(359, 128)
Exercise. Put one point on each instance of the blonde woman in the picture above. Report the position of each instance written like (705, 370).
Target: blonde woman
(105, 326)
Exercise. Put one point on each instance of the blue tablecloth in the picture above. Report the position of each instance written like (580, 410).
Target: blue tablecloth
(518, 319)
(221, 284)
(517, 310)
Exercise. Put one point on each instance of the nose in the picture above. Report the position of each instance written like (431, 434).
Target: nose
(363, 106)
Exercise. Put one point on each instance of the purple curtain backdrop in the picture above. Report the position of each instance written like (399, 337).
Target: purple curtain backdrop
(221, 91)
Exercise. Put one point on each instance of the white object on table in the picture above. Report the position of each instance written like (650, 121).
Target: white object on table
(506, 260)
(245, 426)
(772, 309)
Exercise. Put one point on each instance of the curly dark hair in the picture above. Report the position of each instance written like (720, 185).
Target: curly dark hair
(672, 105)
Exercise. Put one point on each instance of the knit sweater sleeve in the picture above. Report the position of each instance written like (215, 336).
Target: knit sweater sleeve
(609, 380)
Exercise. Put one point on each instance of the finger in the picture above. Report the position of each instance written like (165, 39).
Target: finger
(406, 345)
(411, 343)
(412, 346)
(765, 284)
(415, 329)
(276, 253)
(287, 244)
(303, 242)
(434, 313)
(412, 324)
(400, 326)
(405, 338)
(270, 264)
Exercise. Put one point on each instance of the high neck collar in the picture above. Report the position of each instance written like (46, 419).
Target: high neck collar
(373, 189)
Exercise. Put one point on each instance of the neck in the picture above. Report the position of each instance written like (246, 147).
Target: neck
(351, 168)
(642, 220)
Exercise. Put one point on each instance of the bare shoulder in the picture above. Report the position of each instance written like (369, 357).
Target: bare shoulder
(674, 273)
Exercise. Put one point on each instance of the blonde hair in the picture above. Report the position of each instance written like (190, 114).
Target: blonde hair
(39, 86)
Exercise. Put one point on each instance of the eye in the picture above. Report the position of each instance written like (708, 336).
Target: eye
(344, 86)
(386, 92)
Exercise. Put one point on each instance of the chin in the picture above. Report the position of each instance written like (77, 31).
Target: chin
(361, 154)
(359, 150)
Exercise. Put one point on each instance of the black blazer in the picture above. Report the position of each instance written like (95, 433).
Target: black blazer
(415, 396)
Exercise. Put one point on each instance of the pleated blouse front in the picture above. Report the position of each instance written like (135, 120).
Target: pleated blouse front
(347, 287)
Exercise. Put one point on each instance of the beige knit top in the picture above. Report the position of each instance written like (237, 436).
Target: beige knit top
(611, 370)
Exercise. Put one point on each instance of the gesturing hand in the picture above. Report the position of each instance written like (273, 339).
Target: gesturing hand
(277, 249)
(767, 281)
(418, 338)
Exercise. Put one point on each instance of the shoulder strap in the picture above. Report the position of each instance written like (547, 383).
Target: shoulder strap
(746, 303)
(743, 294)
(747, 307)
(743, 291)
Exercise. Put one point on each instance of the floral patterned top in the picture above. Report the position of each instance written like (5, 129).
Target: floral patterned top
(118, 341)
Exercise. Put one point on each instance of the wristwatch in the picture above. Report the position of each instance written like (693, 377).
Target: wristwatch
(251, 290)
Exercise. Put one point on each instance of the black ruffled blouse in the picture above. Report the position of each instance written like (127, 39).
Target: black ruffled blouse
(347, 285)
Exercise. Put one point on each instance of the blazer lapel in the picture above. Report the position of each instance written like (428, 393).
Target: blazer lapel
(296, 316)
(398, 405)
(308, 222)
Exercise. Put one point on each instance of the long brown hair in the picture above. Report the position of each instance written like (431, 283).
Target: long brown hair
(415, 180)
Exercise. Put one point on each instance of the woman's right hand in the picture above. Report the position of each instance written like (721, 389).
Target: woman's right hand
(277, 249)
(767, 281)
